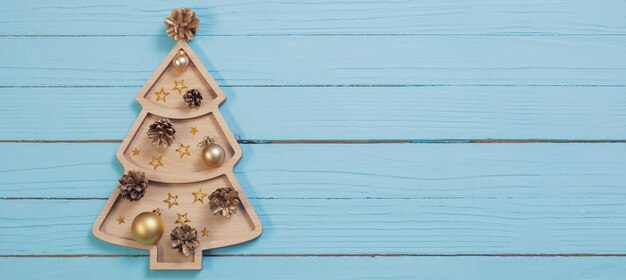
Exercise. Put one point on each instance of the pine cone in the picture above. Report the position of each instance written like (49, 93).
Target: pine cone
(193, 97)
(133, 185)
(184, 239)
(224, 200)
(162, 133)
(182, 23)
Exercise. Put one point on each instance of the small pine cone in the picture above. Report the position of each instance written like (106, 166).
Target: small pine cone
(162, 133)
(184, 240)
(133, 185)
(224, 200)
(193, 97)
(182, 23)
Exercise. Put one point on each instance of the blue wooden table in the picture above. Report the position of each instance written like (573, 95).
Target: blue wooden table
(382, 139)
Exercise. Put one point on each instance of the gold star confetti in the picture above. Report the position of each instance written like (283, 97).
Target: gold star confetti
(205, 232)
(183, 150)
(171, 200)
(182, 219)
(135, 152)
(199, 196)
(193, 130)
(179, 86)
(161, 92)
(120, 220)
(156, 162)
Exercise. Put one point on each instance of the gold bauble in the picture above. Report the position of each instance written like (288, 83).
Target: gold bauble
(181, 60)
(148, 228)
(213, 155)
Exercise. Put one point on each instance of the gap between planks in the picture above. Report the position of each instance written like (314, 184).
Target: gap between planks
(307, 198)
(333, 85)
(509, 34)
(360, 141)
(579, 255)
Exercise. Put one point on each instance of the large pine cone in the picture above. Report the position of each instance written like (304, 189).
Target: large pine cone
(182, 23)
(193, 97)
(224, 200)
(184, 239)
(133, 185)
(162, 133)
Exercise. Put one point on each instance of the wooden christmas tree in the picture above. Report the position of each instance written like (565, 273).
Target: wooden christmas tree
(178, 159)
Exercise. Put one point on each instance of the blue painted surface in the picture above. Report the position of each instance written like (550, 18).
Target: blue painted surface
(410, 71)
(345, 113)
(322, 61)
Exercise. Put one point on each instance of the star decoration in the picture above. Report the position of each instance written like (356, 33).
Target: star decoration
(135, 152)
(120, 220)
(193, 130)
(179, 86)
(182, 219)
(161, 92)
(199, 196)
(156, 162)
(205, 232)
(171, 200)
(183, 150)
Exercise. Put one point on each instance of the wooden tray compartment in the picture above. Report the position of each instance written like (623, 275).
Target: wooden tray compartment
(222, 231)
(178, 171)
(181, 162)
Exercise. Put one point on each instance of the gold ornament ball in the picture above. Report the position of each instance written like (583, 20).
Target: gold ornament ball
(181, 60)
(147, 228)
(213, 155)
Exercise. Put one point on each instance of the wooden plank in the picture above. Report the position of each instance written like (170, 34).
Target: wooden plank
(294, 17)
(538, 225)
(410, 199)
(399, 171)
(323, 60)
(323, 268)
(345, 113)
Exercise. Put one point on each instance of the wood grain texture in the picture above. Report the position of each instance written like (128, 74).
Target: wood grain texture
(323, 61)
(361, 199)
(431, 69)
(531, 17)
(401, 171)
(572, 225)
(347, 113)
(323, 268)
(179, 175)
